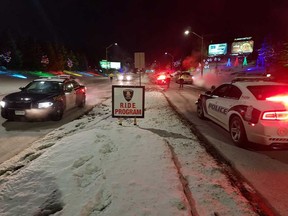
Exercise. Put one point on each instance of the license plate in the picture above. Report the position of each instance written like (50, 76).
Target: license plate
(19, 112)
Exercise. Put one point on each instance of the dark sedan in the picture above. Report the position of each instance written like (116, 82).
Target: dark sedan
(44, 98)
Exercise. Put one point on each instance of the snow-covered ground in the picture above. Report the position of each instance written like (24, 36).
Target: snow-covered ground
(94, 166)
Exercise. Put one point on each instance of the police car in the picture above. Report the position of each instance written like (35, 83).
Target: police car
(44, 98)
(252, 110)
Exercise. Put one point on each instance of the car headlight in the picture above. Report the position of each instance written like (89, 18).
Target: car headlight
(2, 103)
(45, 105)
(128, 77)
(120, 77)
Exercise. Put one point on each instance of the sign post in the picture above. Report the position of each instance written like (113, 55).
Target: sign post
(139, 62)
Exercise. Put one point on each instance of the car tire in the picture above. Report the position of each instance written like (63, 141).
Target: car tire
(57, 113)
(237, 131)
(4, 115)
(200, 110)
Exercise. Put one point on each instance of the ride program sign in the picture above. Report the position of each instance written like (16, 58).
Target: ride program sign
(128, 101)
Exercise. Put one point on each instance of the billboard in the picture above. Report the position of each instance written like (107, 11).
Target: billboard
(242, 47)
(217, 49)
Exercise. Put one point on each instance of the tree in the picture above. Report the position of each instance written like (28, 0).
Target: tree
(283, 54)
(266, 54)
(82, 62)
(32, 54)
(11, 52)
(274, 57)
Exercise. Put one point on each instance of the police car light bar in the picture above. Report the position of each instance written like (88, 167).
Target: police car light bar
(64, 76)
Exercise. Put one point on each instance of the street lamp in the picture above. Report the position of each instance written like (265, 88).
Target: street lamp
(108, 48)
(107, 54)
(172, 57)
(187, 32)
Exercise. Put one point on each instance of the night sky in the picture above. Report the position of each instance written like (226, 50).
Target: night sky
(153, 27)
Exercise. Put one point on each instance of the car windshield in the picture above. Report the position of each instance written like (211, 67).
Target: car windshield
(264, 91)
(43, 87)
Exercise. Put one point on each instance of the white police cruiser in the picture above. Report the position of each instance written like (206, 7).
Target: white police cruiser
(252, 109)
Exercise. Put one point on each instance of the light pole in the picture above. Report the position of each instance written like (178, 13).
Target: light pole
(107, 54)
(187, 32)
(172, 57)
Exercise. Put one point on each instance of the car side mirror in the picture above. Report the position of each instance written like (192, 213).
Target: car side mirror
(21, 88)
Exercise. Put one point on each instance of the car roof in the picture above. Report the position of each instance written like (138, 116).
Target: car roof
(59, 78)
(258, 83)
(255, 80)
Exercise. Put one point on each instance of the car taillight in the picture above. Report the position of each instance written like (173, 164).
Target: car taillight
(279, 98)
(277, 115)
(161, 77)
(82, 90)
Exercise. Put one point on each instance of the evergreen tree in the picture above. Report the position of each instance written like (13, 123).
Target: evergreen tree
(283, 54)
(32, 54)
(82, 62)
(74, 60)
(16, 56)
(266, 54)
(11, 48)
(51, 54)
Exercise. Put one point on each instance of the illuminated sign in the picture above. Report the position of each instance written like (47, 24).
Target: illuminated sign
(217, 49)
(242, 47)
(242, 39)
(128, 101)
(110, 65)
(104, 64)
(115, 65)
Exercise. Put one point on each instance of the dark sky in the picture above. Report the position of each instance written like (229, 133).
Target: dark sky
(153, 27)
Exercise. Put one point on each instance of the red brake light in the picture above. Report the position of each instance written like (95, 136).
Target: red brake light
(279, 98)
(82, 90)
(161, 77)
(277, 115)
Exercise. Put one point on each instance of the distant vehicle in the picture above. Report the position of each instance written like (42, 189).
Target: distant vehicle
(161, 79)
(251, 109)
(188, 78)
(125, 77)
(44, 98)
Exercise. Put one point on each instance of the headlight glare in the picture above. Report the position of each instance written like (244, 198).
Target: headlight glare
(2, 104)
(45, 105)
(120, 77)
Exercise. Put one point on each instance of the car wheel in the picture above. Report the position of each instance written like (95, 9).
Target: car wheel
(237, 131)
(200, 111)
(7, 116)
(58, 113)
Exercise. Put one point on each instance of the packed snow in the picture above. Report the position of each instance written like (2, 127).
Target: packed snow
(94, 166)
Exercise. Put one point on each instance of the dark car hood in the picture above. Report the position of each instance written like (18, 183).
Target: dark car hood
(27, 96)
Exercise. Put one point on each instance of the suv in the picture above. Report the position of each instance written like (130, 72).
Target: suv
(252, 110)
(44, 98)
(186, 76)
